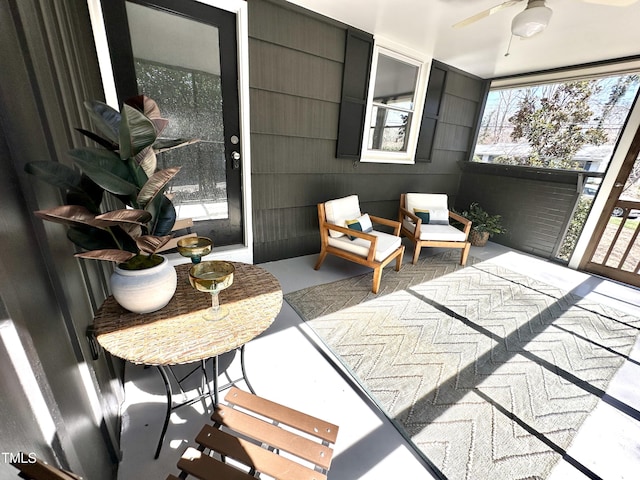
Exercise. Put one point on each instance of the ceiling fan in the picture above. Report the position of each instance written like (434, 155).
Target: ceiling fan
(534, 18)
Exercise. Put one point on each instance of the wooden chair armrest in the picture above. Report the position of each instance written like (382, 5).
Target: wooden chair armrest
(356, 233)
(385, 221)
(414, 218)
(464, 221)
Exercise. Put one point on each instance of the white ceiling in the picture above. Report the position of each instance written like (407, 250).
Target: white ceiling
(578, 32)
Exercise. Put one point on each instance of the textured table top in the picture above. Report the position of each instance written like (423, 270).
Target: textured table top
(178, 334)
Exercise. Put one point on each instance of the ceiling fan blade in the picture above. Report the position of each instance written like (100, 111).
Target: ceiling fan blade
(612, 3)
(494, 9)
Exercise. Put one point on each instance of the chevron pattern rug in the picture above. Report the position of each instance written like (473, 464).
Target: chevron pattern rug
(488, 372)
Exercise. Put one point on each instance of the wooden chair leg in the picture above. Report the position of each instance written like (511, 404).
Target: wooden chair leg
(377, 276)
(399, 259)
(465, 254)
(416, 252)
(321, 257)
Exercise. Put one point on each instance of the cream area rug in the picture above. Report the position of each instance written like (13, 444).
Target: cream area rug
(488, 372)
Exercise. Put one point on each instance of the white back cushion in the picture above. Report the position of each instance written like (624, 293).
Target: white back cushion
(340, 210)
(436, 203)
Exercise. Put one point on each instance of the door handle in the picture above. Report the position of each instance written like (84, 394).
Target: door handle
(235, 157)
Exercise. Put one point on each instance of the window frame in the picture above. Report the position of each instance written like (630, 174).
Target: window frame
(423, 65)
(563, 75)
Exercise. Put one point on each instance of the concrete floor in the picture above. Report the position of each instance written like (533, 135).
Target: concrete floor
(288, 364)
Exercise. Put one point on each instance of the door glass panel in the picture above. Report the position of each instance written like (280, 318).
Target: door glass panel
(177, 63)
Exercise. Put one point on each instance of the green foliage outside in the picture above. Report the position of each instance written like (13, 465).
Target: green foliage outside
(575, 228)
(546, 125)
(555, 126)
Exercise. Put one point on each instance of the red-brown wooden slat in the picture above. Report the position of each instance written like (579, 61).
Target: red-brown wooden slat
(293, 418)
(204, 467)
(42, 471)
(252, 455)
(274, 436)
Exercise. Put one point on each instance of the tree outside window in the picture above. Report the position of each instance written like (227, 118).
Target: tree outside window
(570, 125)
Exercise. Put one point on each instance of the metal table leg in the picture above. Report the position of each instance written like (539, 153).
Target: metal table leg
(244, 372)
(212, 392)
(167, 386)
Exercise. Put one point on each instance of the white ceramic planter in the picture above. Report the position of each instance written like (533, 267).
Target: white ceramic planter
(144, 291)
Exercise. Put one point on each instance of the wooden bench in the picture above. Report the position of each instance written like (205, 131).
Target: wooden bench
(252, 435)
(35, 469)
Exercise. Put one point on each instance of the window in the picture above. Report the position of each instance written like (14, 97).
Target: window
(394, 108)
(569, 120)
(566, 124)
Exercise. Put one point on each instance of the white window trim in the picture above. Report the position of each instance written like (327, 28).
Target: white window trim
(408, 157)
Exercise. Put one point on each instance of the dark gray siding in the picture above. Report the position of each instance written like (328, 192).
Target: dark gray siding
(295, 68)
(535, 205)
(49, 69)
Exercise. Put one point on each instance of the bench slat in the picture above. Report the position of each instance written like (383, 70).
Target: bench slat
(293, 418)
(204, 467)
(272, 435)
(252, 455)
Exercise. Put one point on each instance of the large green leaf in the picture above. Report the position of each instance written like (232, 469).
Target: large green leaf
(106, 169)
(88, 195)
(80, 189)
(106, 118)
(94, 239)
(164, 215)
(155, 185)
(104, 142)
(54, 173)
(136, 132)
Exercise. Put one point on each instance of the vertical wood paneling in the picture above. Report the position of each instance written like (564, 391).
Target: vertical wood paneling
(49, 69)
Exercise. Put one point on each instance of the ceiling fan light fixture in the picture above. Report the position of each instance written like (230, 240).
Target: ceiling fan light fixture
(531, 20)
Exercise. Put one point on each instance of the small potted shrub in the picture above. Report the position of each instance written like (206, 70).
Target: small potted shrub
(483, 224)
(121, 172)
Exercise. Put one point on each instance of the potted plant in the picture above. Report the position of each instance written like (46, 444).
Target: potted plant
(483, 224)
(121, 171)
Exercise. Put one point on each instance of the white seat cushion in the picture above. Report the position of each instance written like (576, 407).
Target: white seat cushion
(447, 233)
(386, 245)
(340, 210)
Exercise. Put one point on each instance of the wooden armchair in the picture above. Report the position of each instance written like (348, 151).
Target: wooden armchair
(436, 232)
(371, 248)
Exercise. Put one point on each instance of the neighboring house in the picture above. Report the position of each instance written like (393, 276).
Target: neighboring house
(56, 399)
(589, 158)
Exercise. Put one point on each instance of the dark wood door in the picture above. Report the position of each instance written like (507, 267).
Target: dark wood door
(183, 54)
